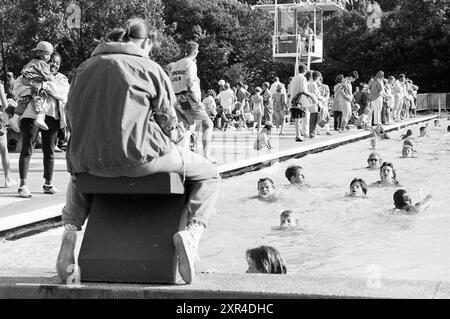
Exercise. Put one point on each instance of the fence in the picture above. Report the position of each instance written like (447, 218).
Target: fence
(432, 101)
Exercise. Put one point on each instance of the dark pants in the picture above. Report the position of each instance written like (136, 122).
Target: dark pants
(313, 122)
(337, 116)
(29, 136)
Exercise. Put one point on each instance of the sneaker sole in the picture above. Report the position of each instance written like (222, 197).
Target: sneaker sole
(185, 264)
(66, 256)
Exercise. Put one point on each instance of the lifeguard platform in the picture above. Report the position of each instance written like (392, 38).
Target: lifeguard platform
(298, 29)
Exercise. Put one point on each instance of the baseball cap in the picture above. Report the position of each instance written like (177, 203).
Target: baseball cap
(44, 46)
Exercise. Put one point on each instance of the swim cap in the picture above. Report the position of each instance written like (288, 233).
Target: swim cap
(401, 199)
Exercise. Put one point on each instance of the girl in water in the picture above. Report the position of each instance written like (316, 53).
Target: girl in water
(265, 260)
(387, 175)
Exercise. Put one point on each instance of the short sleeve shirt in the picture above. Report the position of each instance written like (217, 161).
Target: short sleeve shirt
(181, 72)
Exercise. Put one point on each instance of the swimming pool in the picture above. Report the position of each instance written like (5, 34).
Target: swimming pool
(341, 236)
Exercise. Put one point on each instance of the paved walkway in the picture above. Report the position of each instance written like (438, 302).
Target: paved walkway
(233, 151)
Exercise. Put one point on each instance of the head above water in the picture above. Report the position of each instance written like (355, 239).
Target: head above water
(401, 199)
(374, 160)
(358, 187)
(266, 260)
(287, 218)
(294, 174)
(387, 167)
(407, 151)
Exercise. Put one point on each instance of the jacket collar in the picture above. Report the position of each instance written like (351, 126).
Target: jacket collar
(118, 48)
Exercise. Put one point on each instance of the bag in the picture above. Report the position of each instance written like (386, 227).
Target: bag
(301, 101)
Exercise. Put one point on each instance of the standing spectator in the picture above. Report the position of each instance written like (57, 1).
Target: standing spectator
(241, 96)
(53, 106)
(227, 99)
(399, 97)
(389, 98)
(210, 104)
(324, 115)
(376, 92)
(361, 98)
(268, 103)
(300, 98)
(279, 108)
(186, 85)
(9, 182)
(257, 108)
(274, 86)
(347, 103)
(314, 107)
(340, 97)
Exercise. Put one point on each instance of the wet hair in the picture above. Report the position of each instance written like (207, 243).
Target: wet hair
(267, 260)
(401, 199)
(408, 143)
(361, 182)
(354, 74)
(302, 68)
(292, 171)
(422, 128)
(391, 166)
(339, 78)
(285, 214)
(135, 28)
(448, 128)
(408, 134)
(265, 179)
(406, 147)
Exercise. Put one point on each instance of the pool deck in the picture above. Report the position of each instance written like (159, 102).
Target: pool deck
(234, 153)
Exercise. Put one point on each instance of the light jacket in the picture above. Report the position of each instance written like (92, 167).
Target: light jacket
(112, 101)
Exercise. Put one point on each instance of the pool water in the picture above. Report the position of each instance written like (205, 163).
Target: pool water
(339, 235)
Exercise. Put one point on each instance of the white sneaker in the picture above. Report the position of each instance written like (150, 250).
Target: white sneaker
(186, 244)
(14, 123)
(40, 122)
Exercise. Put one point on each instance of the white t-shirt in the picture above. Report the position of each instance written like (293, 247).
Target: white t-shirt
(181, 72)
(226, 98)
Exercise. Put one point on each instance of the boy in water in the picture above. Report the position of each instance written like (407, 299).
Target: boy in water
(358, 188)
(266, 189)
(408, 150)
(423, 131)
(34, 74)
(287, 219)
(294, 174)
(403, 202)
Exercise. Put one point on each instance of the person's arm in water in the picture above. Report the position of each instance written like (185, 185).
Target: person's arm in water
(420, 206)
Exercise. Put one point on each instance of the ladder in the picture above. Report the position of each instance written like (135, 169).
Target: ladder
(299, 53)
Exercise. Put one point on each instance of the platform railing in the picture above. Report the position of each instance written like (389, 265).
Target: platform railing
(433, 101)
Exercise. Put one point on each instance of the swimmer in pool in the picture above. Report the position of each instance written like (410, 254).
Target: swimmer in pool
(407, 151)
(374, 161)
(423, 131)
(265, 260)
(266, 189)
(287, 219)
(448, 129)
(387, 175)
(294, 175)
(358, 188)
(436, 123)
(403, 202)
(408, 134)
(380, 133)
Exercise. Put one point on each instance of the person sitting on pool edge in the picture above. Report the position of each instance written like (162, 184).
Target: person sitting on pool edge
(287, 219)
(387, 175)
(266, 189)
(358, 188)
(403, 202)
(374, 161)
(294, 175)
(265, 260)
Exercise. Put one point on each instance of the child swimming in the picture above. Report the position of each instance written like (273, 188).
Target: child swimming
(407, 150)
(387, 175)
(287, 219)
(436, 123)
(266, 189)
(423, 131)
(374, 161)
(265, 260)
(409, 133)
(294, 175)
(374, 143)
(358, 188)
(403, 202)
